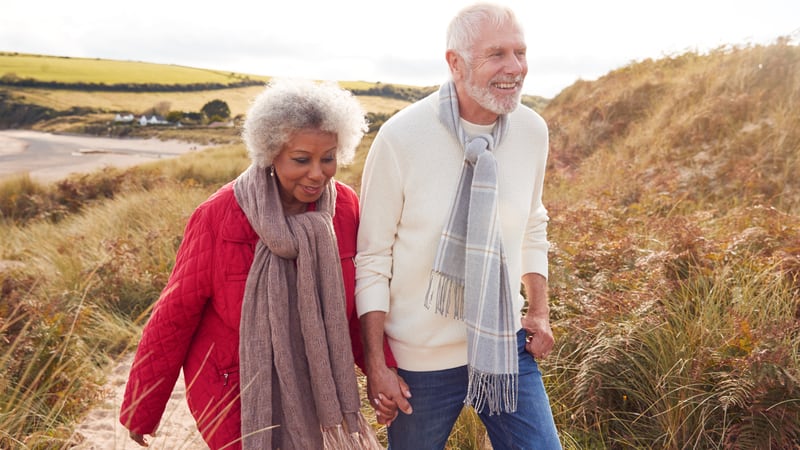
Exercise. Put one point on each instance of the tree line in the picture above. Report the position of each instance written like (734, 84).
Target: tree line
(408, 93)
(13, 81)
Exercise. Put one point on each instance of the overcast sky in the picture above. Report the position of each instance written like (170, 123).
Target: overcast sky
(399, 41)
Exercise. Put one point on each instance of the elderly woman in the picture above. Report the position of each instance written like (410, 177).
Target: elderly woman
(256, 309)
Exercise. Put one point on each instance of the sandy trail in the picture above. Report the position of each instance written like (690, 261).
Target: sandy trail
(101, 430)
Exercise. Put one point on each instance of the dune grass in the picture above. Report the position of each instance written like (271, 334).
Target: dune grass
(682, 333)
(675, 266)
(73, 302)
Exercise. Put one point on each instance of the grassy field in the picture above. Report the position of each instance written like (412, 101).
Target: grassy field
(238, 99)
(104, 71)
(86, 70)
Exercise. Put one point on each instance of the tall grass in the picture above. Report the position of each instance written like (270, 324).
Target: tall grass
(82, 262)
(675, 280)
(681, 336)
(73, 302)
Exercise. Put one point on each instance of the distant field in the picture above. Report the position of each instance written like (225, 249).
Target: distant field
(86, 70)
(238, 99)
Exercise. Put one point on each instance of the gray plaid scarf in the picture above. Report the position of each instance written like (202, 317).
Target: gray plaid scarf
(469, 280)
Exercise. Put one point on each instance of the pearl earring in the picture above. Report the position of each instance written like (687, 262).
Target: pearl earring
(272, 171)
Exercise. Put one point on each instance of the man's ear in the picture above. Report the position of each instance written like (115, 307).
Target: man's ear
(455, 63)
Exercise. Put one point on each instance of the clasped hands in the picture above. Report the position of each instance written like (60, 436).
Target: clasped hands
(388, 394)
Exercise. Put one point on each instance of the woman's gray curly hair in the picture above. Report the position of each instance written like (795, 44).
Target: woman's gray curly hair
(287, 106)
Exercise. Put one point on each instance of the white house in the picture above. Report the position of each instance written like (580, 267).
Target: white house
(153, 120)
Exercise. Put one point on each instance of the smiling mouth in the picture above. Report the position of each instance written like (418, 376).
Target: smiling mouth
(506, 85)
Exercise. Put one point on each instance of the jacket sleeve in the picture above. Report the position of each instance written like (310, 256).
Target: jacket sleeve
(168, 333)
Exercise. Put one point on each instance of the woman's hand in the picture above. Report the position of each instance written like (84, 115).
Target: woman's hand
(140, 439)
(388, 393)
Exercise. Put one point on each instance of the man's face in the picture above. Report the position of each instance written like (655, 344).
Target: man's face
(494, 75)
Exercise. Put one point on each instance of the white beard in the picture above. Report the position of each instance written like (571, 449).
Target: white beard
(483, 96)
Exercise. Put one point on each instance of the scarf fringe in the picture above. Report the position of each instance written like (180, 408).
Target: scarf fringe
(497, 391)
(339, 438)
(448, 294)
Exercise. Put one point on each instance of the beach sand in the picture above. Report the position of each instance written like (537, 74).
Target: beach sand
(101, 430)
(50, 157)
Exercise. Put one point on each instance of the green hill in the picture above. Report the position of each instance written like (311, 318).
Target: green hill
(15, 67)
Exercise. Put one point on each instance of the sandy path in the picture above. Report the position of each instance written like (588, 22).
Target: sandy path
(101, 430)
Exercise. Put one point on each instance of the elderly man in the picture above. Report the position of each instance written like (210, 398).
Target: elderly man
(452, 221)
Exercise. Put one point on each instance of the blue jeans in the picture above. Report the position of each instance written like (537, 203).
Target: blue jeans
(438, 398)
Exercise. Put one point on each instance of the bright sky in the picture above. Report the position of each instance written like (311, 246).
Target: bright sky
(399, 41)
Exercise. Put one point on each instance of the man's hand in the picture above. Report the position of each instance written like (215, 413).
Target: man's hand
(536, 321)
(388, 393)
(540, 341)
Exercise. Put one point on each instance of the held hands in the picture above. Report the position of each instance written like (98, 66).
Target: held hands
(540, 339)
(388, 393)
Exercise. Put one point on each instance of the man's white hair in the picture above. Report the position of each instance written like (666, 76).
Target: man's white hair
(465, 26)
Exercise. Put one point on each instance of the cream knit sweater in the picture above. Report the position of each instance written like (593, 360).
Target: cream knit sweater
(409, 181)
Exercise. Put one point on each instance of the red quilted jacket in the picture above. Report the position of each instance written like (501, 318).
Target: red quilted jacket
(195, 323)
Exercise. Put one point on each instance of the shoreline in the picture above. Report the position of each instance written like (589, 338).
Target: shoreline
(48, 157)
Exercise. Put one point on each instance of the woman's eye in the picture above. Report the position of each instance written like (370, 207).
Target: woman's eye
(300, 160)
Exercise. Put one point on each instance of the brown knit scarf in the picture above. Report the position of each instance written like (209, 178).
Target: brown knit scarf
(298, 384)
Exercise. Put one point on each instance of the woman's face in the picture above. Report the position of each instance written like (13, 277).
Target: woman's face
(304, 166)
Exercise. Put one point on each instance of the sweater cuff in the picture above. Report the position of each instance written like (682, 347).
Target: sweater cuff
(370, 298)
